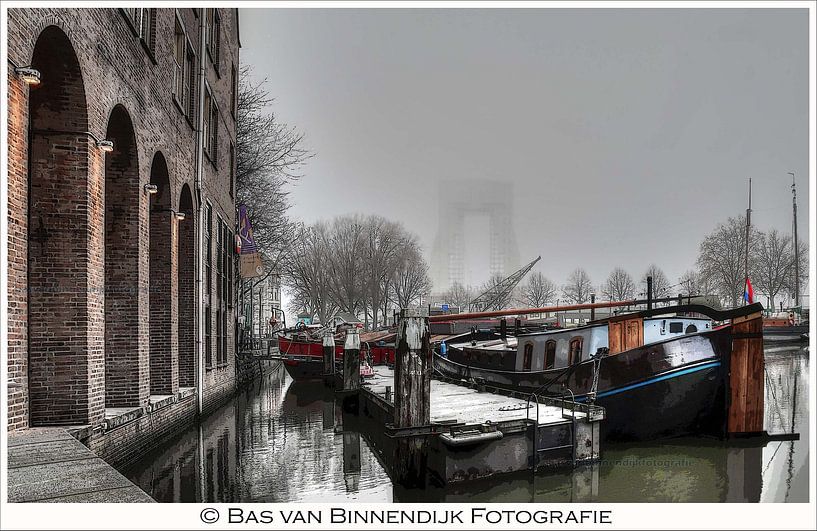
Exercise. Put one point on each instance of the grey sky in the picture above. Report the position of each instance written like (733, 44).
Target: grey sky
(628, 134)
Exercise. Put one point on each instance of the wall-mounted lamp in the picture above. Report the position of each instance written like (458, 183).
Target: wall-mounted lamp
(179, 216)
(105, 145)
(102, 143)
(151, 189)
(31, 76)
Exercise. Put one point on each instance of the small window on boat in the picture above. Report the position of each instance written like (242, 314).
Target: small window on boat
(526, 360)
(691, 329)
(575, 352)
(676, 328)
(550, 354)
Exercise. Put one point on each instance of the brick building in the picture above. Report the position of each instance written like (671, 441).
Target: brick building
(120, 261)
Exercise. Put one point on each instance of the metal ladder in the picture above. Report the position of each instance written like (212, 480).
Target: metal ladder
(536, 450)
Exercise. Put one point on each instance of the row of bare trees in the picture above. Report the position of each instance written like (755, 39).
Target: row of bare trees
(362, 265)
(539, 290)
(722, 263)
(720, 272)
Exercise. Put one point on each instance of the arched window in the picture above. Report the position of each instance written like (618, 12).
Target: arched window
(574, 353)
(550, 354)
(691, 329)
(526, 360)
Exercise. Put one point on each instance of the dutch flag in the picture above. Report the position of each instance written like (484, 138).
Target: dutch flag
(748, 292)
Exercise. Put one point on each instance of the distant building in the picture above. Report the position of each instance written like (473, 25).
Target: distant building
(266, 306)
(456, 200)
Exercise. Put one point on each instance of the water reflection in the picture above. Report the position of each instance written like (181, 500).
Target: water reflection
(281, 440)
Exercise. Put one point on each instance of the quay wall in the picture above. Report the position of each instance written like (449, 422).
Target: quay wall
(149, 429)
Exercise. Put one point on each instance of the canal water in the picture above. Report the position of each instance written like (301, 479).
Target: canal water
(283, 441)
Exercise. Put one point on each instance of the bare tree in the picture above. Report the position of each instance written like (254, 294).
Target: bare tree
(354, 264)
(660, 282)
(802, 251)
(773, 265)
(459, 296)
(721, 259)
(578, 287)
(410, 280)
(306, 274)
(619, 286)
(384, 244)
(269, 156)
(538, 291)
(347, 264)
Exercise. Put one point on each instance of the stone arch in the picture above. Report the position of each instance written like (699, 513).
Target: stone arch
(186, 288)
(126, 370)
(164, 353)
(65, 301)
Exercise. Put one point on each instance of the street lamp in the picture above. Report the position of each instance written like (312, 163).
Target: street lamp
(31, 76)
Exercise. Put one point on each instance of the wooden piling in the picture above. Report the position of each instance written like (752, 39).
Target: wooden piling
(351, 361)
(746, 376)
(412, 395)
(329, 354)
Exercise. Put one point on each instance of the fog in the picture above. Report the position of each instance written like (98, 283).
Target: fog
(627, 134)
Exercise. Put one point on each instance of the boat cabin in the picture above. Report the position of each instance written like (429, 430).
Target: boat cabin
(553, 349)
(559, 348)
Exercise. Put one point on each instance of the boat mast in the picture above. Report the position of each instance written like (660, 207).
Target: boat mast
(796, 246)
(748, 228)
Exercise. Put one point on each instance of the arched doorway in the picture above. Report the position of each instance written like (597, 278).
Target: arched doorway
(164, 354)
(66, 375)
(126, 384)
(186, 287)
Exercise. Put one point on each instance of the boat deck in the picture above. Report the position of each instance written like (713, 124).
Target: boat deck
(456, 403)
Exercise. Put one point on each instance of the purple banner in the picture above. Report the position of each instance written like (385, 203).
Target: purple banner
(245, 231)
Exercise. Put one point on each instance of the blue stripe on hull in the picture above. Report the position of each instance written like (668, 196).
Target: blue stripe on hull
(663, 377)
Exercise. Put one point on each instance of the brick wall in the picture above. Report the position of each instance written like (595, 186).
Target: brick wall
(124, 378)
(17, 309)
(79, 269)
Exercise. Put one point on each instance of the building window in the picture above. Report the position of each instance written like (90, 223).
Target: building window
(225, 288)
(208, 336)
(233, 91)
(183, 67)
(208, 283)
(213, 35)
(550, 354)
(210, 126)
(232, 170)
(527, 359)
(219, 289)
(143, 22)
(230, 267)
(574, 353)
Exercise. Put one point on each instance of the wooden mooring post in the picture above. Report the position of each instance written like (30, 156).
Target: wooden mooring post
(351, 371)
(746, 377)
(329, 356)
(412, 395)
